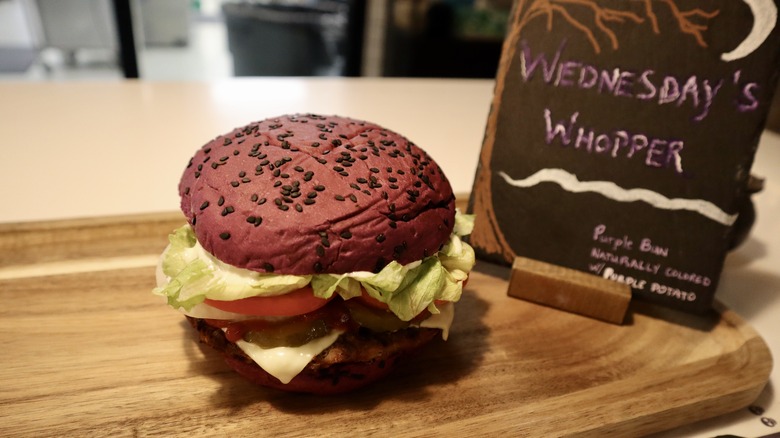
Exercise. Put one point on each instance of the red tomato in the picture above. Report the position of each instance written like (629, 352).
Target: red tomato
(370, 301)
(293, 303)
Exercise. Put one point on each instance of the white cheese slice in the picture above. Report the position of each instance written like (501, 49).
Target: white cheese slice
(442, 320)
(285, 363)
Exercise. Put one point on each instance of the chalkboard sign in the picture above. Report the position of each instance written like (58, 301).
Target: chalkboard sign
(621, 137)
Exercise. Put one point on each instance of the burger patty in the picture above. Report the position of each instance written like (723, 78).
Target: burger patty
(354, 346)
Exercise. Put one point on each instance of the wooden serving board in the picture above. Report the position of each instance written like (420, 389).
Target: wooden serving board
(88, 350)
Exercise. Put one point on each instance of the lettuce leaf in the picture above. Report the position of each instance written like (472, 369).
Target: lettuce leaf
(193, 275)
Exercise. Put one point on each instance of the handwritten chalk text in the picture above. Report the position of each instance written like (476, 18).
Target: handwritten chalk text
(655, 152)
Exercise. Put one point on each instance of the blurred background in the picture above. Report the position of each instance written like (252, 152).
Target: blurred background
(214, 39)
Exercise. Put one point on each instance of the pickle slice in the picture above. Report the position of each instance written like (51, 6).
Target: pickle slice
(377, 320)
(288, 334)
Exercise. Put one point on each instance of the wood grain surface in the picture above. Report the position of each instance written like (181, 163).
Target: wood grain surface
(89, 351)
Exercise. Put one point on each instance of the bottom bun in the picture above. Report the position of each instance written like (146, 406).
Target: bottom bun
(354, 360)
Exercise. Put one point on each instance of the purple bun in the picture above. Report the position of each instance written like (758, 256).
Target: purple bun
(305, 194)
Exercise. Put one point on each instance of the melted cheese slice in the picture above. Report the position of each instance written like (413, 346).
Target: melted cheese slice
(285, 363)
(442, 320)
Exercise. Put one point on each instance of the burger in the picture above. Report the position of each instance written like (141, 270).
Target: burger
(318, 251)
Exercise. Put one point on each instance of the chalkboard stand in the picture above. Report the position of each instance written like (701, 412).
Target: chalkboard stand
(569, 290)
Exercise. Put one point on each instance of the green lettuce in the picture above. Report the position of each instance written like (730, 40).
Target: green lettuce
(193, 275)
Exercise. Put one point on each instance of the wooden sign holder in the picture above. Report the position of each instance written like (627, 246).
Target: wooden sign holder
(569, 290)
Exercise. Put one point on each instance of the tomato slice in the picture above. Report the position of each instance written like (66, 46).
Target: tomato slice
(370, 301)
(293, 303)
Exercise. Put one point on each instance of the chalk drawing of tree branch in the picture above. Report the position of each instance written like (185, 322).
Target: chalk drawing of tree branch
(684, 19)
(602, 19)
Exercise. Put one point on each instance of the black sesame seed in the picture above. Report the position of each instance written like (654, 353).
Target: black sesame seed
(277, 183)
(317, 267)
(261, 201)
(339, 198)
(353, 198)
(284, 207)
(268, 267)
(393, 225)
(241, 174)
(298, 168)
(254, 197)
(380, 238)
(320, 250)
(234, 183)
(374, 170)
(298, 208)
(224, 236)
(204, 205)
(362, 180)
(221, 201)
(345, 235)
(319, 188)
(309, 201)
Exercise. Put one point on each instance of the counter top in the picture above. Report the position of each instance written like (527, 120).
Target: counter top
(90, 149)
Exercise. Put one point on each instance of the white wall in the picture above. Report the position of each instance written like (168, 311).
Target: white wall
(15, 28)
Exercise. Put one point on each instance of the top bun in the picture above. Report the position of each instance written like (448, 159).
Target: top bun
(306, 194)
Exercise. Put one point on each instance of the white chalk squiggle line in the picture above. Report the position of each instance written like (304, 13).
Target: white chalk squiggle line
(569, 182)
